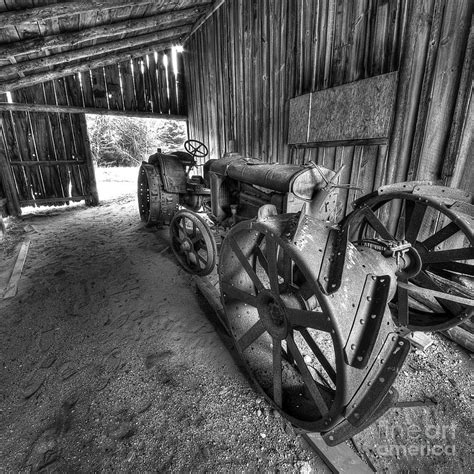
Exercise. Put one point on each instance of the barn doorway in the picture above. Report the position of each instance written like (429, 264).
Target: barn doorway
(119, 144)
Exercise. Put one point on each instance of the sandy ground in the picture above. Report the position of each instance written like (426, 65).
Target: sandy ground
(111, 361)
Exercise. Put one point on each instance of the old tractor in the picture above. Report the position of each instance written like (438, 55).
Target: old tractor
(317, 308)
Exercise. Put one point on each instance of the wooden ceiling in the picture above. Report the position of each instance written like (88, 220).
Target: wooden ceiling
(45, 39)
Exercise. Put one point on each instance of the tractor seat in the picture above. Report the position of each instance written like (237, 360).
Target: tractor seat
(185, 158)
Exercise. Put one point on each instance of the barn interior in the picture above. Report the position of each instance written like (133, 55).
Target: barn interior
(111, 358)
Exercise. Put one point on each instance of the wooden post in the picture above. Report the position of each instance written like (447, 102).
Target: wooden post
(6, 178)
(91, 185)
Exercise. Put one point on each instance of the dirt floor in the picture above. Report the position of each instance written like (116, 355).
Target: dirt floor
(111, 361)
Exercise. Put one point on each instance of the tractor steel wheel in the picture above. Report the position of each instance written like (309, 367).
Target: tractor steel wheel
(192, 243)
(441, 231)
(282, 329)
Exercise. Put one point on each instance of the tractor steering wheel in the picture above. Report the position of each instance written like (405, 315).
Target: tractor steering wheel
(196, 148)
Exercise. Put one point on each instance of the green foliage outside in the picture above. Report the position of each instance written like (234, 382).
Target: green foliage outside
(126, 141)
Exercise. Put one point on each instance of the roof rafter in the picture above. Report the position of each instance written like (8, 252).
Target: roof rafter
(56, 10)
(70, 69)
(91, 51)
(67, 40)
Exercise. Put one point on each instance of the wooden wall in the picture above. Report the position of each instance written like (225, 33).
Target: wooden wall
(45, 156)
(252, 56)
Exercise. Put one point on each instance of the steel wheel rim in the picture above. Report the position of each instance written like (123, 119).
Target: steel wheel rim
(290, 390)
(443, 314)
(193, 243)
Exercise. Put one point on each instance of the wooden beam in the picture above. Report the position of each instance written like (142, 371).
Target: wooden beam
(68, 109)
(56, 10)
(69, 69)
(68, 40)
(91, 51)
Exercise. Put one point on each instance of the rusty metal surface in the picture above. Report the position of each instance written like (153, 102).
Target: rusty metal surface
(290, 335)
(441, 238)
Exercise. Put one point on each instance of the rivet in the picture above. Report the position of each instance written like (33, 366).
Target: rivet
(369, 383)
(369, 298)
(359, 358)
(362, 321)
(373, 316)
(381, 380)
(353, 346)
(401, 343)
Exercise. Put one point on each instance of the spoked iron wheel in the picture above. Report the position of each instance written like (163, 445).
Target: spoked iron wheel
(440, 294)
(193, 243)
(282, 326)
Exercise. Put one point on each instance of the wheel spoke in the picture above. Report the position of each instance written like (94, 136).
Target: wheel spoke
(438, 294)
(463, 268)
(201, 258)
(448, 255)
(261, 258)
(402, 302)
(307, 377)
(286, 264)
(301, 318)
(251, 335)
(196, 257)
(194, 230)
(415, 219)
(426, 282)
(376, 224)
(239, 295)
(440, 236)
(271, 248)
(245, 263)
(277, 373)
(319, 355)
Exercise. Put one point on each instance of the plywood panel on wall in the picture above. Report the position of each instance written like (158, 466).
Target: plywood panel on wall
(360, 110)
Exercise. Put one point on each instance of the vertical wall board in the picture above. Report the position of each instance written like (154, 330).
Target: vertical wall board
(8, 187)
(447, 72)
(161, 78)
(128, 87)
(172, 84)
(22, 176)
(73, 89)
(114, 92)
(41, 140)
(460, 145)
(152, 84)
(99, 88)
(87, 89)
(147, 85)
(69, 141)
(180, 85)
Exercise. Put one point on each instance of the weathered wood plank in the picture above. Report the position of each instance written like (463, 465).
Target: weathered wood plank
(7, 177)
(75, 38)
(114, 92)
(68, 69)
(12, 287)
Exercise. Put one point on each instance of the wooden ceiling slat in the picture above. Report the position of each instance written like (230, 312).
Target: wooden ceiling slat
(67, 69)
(91, 51)
(68, 40)
(62, 9)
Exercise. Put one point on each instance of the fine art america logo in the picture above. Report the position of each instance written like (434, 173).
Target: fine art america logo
(429, 440)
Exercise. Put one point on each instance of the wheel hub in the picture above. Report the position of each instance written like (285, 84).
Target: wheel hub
(186, 245)
(272, 313)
